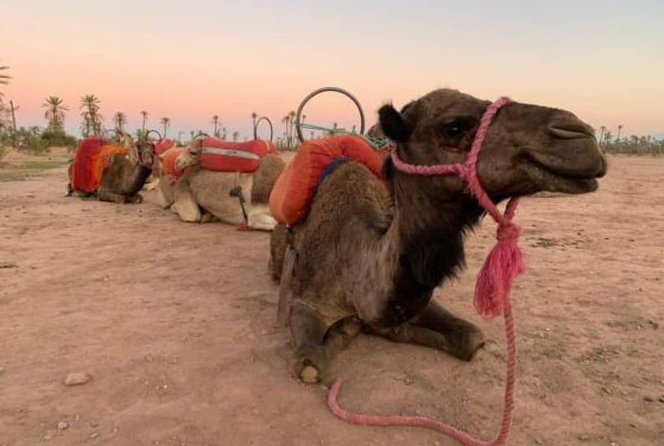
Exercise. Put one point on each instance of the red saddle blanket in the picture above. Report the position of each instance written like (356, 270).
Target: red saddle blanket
(93, 156)
(163, 145)
(226, 156)
(294, 190)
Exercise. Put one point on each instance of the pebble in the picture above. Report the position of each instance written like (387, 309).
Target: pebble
(76, 379)
(62, 425)
(93, 435)
(648, 398)
(661, 399)
(584, 437)
(2, 369)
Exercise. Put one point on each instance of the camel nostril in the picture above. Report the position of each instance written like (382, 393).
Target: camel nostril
(569, 130)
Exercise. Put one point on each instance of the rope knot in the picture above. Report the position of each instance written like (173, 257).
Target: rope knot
(508, 231)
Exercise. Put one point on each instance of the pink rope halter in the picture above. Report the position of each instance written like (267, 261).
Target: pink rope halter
(492, 289)
(505, 261)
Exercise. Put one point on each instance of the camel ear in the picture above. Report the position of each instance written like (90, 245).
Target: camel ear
(393, 124)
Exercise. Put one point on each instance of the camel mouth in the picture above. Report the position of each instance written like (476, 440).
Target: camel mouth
(555, 181)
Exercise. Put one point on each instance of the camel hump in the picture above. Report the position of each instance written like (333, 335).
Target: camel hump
(226, 156)
(91, 160)
(295, 188)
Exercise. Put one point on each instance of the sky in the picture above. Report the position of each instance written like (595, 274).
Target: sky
(190, 60)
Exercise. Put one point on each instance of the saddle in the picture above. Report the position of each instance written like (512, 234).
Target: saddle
(227, 156)
(290, 200)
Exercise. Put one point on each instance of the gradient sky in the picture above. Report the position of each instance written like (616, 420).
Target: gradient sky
(189, 60)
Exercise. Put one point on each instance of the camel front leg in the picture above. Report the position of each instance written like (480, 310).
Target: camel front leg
(464, 338)
(437, 328)
(316, 343)
(104, 194)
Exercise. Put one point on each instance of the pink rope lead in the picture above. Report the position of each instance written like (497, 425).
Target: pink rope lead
(492, 290)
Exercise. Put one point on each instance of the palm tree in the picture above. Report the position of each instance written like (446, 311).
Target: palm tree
(55, 114)
(253, 120)
(289, 123)
(92, 120)
(144, 116)
(619, 129)
(215, 122)
(166, 122)
(120, 120)
(223, 133)
(4, 79)
(236, 135)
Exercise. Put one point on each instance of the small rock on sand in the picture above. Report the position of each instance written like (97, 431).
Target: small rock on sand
(62, 425)
(76, 379)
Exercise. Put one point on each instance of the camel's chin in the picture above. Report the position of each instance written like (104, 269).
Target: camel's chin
(549, 181)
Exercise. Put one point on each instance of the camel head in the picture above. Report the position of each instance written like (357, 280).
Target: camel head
(145, 153)
(140, 152)
(528, 148)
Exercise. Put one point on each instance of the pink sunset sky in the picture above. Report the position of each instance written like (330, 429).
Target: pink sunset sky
(189, 60)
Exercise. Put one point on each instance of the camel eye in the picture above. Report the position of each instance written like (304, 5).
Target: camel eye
(453, 129)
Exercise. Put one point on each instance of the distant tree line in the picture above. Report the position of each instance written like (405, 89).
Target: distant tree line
(632, 145)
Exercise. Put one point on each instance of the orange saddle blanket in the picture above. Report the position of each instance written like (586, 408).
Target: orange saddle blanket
(294, 190)
(169, 163)
(92, 158)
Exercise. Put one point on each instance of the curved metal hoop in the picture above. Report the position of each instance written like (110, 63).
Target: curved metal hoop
(258, 121)
(298, 115)
(147, 134)
(115, 133)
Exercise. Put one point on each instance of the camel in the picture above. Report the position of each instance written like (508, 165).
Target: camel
(372, 250)
(114, 173)
(200, 195)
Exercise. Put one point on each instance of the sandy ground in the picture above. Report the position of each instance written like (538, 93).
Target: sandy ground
(175, 324)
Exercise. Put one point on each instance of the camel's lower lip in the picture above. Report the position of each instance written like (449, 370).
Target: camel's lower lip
(553, 182)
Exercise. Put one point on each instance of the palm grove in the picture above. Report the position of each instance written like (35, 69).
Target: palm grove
(92, 124)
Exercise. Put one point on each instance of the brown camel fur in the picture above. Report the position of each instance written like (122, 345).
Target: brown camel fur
(370, 256)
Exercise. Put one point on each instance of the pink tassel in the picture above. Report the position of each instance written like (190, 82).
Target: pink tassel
(502, 266)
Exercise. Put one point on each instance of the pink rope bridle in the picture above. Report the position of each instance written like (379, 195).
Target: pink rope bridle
(492, 290)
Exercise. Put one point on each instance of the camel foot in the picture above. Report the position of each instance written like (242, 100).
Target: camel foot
(307, 371)
(136, 199)
(244, 228)
(308, 365)
(469, 343)
(309, 375)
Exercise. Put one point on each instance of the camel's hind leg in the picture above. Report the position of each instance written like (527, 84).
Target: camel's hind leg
(315, 343)
(437, 328)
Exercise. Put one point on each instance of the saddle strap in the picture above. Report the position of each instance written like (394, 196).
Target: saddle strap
(285, 291)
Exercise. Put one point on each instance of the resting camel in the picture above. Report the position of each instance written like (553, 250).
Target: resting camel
(110, 172)
(372, 251)
(197, 194)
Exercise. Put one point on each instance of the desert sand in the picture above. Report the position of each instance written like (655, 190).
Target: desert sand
(174, 324)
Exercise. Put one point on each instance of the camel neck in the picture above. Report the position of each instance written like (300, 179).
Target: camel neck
(138, 179)
(425, 247)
